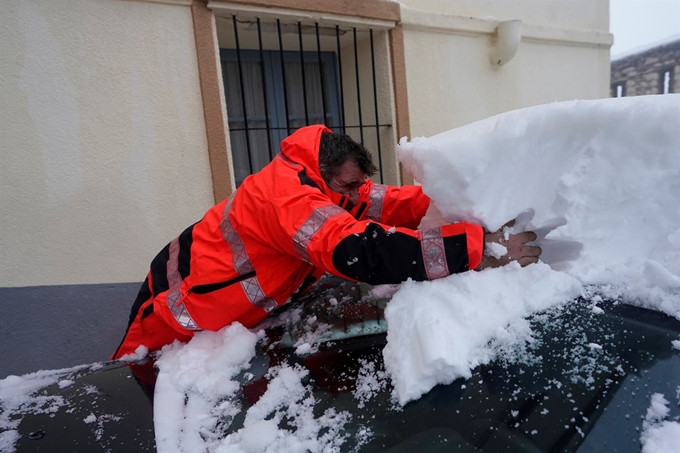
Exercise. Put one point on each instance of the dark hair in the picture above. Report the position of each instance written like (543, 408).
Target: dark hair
(336, 149)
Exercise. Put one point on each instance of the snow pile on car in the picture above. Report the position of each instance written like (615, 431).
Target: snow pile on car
(197, 397)
(600, 179)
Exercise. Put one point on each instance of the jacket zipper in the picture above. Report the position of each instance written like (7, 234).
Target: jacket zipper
(210, 287)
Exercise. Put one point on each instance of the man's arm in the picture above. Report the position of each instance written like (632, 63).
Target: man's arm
(377, 254)
(330, 238)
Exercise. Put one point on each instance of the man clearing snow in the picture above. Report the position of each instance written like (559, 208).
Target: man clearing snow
(312, 210)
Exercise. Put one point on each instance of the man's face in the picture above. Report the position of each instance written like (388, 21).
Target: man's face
(347, 182)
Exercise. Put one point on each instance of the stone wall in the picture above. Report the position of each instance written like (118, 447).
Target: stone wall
(645, 72)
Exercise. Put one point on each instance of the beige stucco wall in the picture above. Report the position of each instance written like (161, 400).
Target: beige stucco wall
(562, 55)
(576, 14)
(102, 133)
(102, 138)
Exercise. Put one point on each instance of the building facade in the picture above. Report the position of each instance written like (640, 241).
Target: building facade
(122, 121)
(654, 69)
(116, 115)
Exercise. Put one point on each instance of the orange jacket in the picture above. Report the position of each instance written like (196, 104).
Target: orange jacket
(251, 252)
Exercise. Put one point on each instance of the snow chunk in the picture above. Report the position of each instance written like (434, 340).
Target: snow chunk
(303, 349)
(659, 435)
(140, 353)
(676, 344)
(193, 379)
(65, 383)
(447, 332)
(495, 250)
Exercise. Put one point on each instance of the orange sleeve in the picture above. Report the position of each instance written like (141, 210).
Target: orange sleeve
(404, 206)
(328, 237)
(396, 206)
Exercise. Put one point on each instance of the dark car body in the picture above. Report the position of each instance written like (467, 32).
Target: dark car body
(583, 385)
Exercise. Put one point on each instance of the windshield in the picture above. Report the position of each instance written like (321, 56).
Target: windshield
(582, 384)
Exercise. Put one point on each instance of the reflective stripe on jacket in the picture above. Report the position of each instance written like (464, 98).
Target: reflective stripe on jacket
(251, 252)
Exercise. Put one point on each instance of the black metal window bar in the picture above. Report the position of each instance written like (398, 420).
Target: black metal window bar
(264, 102)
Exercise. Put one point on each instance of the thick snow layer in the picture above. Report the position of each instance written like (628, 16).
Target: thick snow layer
(599, 181)
(196, 399)
(193, 381)
(458, 323)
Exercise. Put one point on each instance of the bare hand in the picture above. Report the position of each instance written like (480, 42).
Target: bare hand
(516, 250)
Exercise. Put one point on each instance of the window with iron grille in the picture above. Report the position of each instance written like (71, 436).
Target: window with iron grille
(282, 76)
(270, 116)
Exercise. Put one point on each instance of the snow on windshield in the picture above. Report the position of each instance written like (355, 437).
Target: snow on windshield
(599, 179)
(19, 395)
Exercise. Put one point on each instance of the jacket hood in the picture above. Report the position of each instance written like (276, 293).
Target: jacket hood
(302, 147)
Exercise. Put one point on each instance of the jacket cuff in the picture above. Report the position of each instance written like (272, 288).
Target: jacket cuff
(475, 244)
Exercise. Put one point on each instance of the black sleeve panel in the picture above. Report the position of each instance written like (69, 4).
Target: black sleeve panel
(159, 271)
(456, 251)
(379, 257)
(186, 239)
(159, 265)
